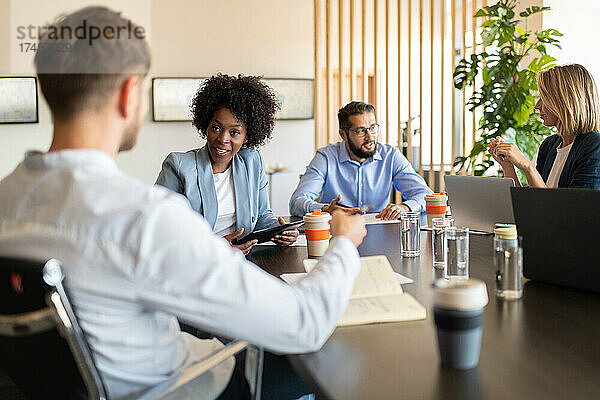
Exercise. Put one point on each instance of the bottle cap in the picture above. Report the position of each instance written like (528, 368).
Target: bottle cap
(505, 231)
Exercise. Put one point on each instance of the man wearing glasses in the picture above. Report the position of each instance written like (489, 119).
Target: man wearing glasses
(358, 172)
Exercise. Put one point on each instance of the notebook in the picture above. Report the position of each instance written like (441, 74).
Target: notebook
(376, 297)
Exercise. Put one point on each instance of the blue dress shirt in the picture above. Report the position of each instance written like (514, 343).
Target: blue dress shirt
(332, 172)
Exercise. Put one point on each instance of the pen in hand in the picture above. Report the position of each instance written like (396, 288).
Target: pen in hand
(361, 210)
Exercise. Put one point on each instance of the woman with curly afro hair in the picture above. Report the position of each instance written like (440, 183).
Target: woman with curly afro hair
(225, 180)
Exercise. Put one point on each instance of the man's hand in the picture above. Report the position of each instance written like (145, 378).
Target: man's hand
(392, 211)
(285, 238)
(350, 226)
(333, 206)
(243, 247)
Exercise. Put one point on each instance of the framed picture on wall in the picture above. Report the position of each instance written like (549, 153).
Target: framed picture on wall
(18, 102)
(295, 95)
(172, 98)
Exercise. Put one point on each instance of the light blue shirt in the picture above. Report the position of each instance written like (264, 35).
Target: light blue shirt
(191, 174)
(332, 172)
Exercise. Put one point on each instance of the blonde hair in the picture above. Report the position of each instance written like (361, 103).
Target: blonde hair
(569, 92)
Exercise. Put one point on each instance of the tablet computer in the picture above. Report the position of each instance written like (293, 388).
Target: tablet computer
(264, 235)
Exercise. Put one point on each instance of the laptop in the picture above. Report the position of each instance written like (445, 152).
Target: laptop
(479, 202)
(561, 235)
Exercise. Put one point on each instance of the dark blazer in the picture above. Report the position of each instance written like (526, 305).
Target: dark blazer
(190, 174)
(582, 168)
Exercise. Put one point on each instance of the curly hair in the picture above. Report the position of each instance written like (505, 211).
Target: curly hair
(250, 100)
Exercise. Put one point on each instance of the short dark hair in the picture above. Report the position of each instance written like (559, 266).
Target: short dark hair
(83, 77)
(353, 108)
(251, 101)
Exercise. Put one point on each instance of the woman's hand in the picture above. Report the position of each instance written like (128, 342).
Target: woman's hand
(285, 238)
(492, 150)
(510, 153)
(243, 247)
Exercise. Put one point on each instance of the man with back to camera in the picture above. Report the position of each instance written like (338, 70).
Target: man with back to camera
(358, 171)
(136, 256)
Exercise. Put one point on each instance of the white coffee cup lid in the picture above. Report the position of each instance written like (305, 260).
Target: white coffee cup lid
(436, 197)
(317, 216)
(464, 295)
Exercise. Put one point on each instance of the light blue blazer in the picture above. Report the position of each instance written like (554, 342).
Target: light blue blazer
(190, 174)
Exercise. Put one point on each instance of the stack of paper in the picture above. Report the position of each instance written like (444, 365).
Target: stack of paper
(376, 297)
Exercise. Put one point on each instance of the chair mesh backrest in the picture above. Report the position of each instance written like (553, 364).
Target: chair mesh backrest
(41, 364)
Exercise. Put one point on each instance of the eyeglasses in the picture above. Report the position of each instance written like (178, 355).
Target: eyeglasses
(362, 132)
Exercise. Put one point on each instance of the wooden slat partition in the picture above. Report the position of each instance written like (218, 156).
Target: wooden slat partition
(421, 133)
(453, 91)
(317, 82)
(352, 66)
(329, 77)
(463, 34)
(473, 51)
(340, 52)
(399, 75)
(365, 68)
(387, 71)
(390, 82)
(442, 100)
(409, 132)
(375, 100)
(431, 36)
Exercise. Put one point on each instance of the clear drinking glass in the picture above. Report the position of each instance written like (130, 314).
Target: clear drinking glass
(508, 261)
(438, 241)
(411, 238)
(457, 252)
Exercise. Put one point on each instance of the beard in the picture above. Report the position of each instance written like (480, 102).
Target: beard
(359, 152)
(131, 133)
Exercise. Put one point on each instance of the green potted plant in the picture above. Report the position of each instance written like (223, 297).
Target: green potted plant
(507, 95)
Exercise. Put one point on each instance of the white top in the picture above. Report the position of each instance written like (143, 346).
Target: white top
(137, 257)
(226, 218)
(557, 167)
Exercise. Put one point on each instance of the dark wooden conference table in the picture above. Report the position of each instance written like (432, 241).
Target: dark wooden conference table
(544, 346)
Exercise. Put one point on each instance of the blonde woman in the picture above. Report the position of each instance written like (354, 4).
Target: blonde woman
(571, 158)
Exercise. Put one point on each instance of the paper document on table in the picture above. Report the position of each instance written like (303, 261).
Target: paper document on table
(310, 263)
(377, 295)
(371, 219)
(376, 278)
(295, 277)
(371, 310)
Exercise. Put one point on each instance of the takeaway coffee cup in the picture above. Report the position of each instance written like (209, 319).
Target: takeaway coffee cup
(435, 206)
(316, 227)
(458, 314)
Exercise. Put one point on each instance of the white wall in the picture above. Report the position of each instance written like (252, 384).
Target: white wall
(273, 38)
(577, 20)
